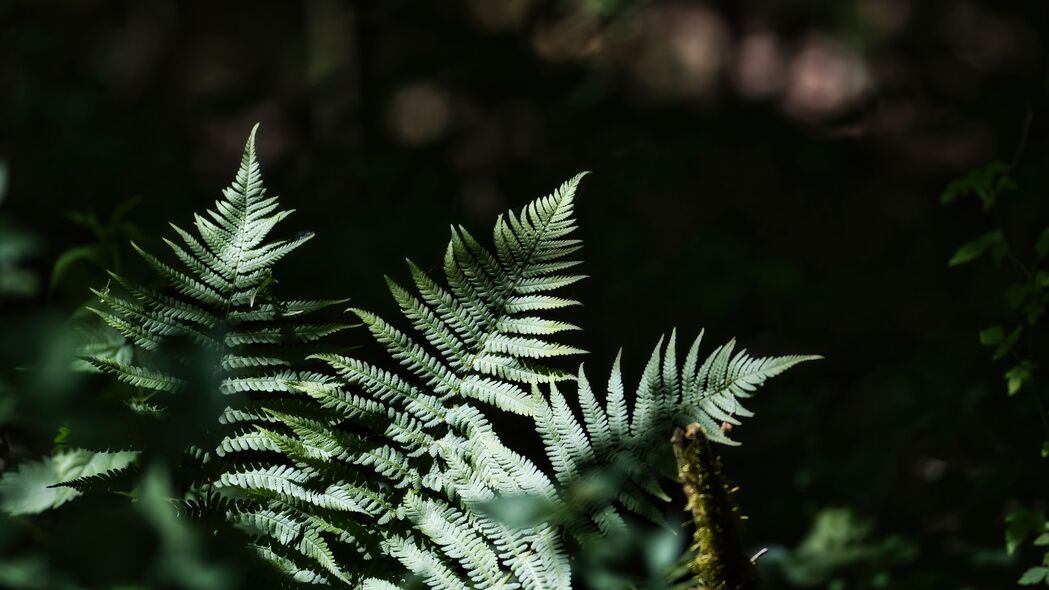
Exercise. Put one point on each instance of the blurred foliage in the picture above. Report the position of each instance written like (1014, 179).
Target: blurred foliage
(1026, 294)
(15, 247)
(37, 486)
(841, 551)
(108, 239)
(781, 168)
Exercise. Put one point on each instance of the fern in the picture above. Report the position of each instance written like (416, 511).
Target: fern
(428, 454)
(376, 476)
(219, 299)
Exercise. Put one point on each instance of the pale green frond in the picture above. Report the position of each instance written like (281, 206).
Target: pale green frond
(503, 395)
(410, 354)
(283, 381)
(528, 286)
(448, 307)
(534, 348)
(426, 564)
(287, 482)
(282, 334)
(724, 379)
(433, 328)
(533, 326)
(180, 281)
(671, 377)
(137, 376)
(649, 393)
(377, 584)
(138, 335)
(594, 416)
(510, 368)
(252, 440)
(202, 270)
(235, 361)
(289, 568)
(618, 418)
(169, 306)
(270, 254)
(281, 526)
(313, 546)
(689, 379)
(527, 303)
(450, 530)
(280, 311)
(566, 445)
(205, 255)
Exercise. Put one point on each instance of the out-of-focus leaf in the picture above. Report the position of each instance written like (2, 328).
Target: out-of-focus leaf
(841, 541)
(1002, 343)
(28, 490)
(3, 180)
(1041, 247)
(15, 247)
(88, 220)
(1035, 575)
(92, 253)
(662, 550)
(987, 182)
(182, 564)
(992, 336)
(31, 573)
(972, 250)
(1018, 376)
(63, 435)
(1016, 294)
(521, 511)
(1019, 525)
(95, 339)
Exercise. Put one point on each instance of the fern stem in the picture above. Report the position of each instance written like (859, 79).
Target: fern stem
(720, 563)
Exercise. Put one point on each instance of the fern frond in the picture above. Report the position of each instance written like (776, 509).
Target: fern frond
(667, 395)
(389, 469)
(219, 298)
(137, 376)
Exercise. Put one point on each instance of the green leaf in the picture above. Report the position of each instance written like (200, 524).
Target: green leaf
(30, 489)
(1041, 247)
(62, 436)
(992, 336)
(26, 490)
(91, 253)
(987, 182)
(1018, 376)
(1006, 344)
(976, 248)
(1020, 524)
(1033, 576)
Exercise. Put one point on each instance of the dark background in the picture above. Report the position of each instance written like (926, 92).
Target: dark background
(769, 170)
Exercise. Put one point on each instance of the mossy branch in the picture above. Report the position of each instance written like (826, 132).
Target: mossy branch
(720, 563)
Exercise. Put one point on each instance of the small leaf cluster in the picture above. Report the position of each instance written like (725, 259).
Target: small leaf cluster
(1027, 293)
(1026, 296)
